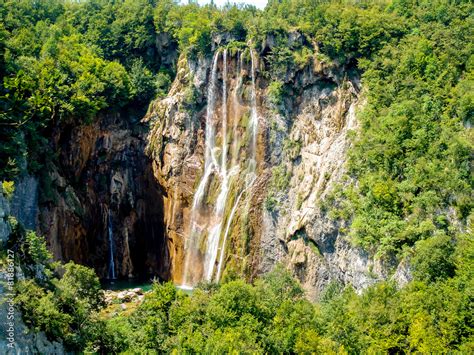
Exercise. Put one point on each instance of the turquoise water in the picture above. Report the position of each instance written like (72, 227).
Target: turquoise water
(118, 285)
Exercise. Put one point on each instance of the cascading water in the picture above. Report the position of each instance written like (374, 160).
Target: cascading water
(210, 162)
(192, 243)
(207, 224)
(110, 232)
(253, 120)
(252, 163)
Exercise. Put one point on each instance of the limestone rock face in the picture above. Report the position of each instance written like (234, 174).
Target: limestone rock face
(301, 152)
(24, 340)
(102, 200)
(24, 204)
(5, 229)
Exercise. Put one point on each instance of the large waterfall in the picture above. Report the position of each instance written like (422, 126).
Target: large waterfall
(225, 170)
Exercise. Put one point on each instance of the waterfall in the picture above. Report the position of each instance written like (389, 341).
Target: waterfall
(110, 232)
(253, 118)
(252, 164)
(215, 231)
(206, 224)
(209, 159)
(210, 162)
(226, 233)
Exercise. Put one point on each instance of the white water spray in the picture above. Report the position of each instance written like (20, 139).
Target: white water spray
(252, 164)
(209, 158)
(215, 231)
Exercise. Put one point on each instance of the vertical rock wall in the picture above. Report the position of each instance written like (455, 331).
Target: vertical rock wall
(104, 178)
(301, 150)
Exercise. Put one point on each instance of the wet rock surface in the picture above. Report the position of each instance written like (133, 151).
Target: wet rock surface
(304, 139)
(102, 202)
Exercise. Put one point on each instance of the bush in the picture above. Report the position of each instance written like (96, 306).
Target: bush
(275, 93)
(433, 258)
(8, 188)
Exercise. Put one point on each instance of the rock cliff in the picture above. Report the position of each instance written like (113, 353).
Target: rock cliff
(100, 206)
(301, 145)
(25, 340)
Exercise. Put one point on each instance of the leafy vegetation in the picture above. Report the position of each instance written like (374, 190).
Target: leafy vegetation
(413, 155)
(8, 188)
(64, 62)
(433, 313)
(61, 300)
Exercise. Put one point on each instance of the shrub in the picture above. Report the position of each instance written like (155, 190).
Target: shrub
(8, 188)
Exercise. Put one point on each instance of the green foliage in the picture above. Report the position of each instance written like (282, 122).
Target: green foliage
(352, 32)
(272, 316)
(412, 154)
(292, 148)
(121, 30)
(8, 188)
(302, 57)
(65, 308)
(280, 177)
(61, 301)
(433, 258)
(79, 288)
(275, 93)
(279, 183)
(141, 82)
(39, 309)
(190, 25)
(162, 83)
(233, 317)
(36, 249)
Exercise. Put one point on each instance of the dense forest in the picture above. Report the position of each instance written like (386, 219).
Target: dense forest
(408, 191)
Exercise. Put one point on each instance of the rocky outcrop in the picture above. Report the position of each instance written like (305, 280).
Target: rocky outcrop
(5, 229)
(301, 151)
(125, 296)
(16, 337)
(24, 205)
(101, 206)
(23, 340)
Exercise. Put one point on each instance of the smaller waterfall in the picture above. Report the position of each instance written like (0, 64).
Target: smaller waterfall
(110, 232)
(226, 233)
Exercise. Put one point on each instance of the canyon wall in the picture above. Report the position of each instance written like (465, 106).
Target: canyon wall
(301, 144)
(100, 206)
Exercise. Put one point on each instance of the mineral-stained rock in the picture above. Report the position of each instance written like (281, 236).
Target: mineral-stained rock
(304, 138)
(102, 195)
